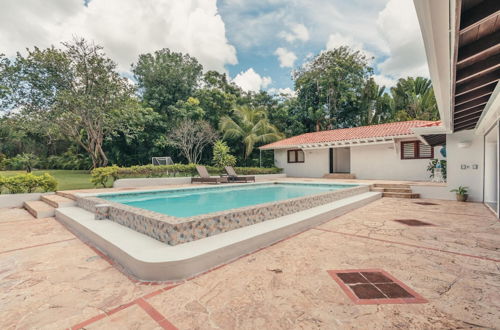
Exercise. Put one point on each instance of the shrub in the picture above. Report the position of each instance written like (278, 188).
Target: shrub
(20, 162)
(28, 183)
(104, 175)
(222, 156)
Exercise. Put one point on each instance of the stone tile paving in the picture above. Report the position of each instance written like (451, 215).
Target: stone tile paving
(52, 280)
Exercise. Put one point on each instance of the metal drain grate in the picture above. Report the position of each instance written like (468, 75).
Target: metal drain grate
(374, 286)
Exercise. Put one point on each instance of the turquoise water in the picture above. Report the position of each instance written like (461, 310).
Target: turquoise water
(190, 202)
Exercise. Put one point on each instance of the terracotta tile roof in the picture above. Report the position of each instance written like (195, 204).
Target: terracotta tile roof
(344, 134)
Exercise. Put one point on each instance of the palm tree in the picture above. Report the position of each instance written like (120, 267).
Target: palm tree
(415, 96)
(251, 126)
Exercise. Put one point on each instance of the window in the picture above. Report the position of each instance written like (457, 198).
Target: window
(416, 150)
(295, 156)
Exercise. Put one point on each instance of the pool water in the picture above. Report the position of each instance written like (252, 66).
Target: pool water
(190, 202)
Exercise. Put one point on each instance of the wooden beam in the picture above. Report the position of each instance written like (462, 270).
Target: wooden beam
(471, 120)
(479, 14)
(476, 69)
(472, 104)
(477, 82)
(488, 43)
(464, 127)
(467, 115)
(480, 92)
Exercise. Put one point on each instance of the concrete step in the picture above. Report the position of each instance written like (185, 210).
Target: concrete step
(339, 176)
(400, 195)
(392, 185)
(39, 209)
(397, 190)
(58, 201)
(65, 194)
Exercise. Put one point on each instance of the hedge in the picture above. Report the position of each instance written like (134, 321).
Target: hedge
(104, 175)
(28, 183)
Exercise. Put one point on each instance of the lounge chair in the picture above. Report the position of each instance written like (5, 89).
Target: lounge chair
(205, 177)
(233, 177)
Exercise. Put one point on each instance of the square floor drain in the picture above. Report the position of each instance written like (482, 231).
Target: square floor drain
(374, 286)
(425, 203)
(413, 222)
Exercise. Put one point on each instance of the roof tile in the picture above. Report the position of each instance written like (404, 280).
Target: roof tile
(382, 130)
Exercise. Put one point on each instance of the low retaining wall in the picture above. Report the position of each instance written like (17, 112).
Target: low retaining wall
(173, 230)
(17, 200)
(152, 182)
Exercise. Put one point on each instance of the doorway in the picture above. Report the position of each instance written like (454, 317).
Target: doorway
(340, 160)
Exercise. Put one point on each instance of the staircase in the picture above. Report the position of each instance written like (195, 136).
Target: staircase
(339, 176)
(394, 190)
(47, 205)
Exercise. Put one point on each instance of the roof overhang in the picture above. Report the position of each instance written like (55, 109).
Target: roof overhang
(344, 143)
(463, 53)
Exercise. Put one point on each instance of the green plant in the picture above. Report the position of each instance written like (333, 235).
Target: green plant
(101, 175)
(433, 165)
(107, 175)
(28, 183)
(221, 155)
(461, 190)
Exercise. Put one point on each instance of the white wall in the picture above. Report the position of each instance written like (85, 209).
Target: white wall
(315, 165)
(383, 162)
(468, 157)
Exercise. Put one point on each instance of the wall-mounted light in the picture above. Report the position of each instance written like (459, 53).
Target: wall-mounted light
(464, 144)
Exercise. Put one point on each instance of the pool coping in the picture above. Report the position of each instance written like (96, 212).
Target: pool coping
(148, 259)
(175, 230)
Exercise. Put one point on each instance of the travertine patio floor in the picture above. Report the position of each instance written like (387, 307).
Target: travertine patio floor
(50, 279)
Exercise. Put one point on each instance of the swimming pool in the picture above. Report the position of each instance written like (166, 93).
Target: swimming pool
(181, 215)
(191, 202)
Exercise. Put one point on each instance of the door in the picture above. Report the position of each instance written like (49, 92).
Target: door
(341, 160)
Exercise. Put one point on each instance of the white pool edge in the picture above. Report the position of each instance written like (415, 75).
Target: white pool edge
(150, 260)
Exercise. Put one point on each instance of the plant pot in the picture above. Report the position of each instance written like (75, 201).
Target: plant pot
(462, 198)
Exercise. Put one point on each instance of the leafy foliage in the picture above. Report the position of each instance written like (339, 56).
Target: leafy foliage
(28, 183)
(105, 176)
(222, 156)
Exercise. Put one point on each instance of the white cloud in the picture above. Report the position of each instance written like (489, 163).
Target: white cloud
(279, 91)
(287, 58)
(126, 28)
(336, 40)
(386, 81)
(298, 32)
(398, 25)
(251, 81)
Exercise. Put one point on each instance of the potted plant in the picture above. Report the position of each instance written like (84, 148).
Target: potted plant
(461, 193)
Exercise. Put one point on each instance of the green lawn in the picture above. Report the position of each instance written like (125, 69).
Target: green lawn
(67, 179)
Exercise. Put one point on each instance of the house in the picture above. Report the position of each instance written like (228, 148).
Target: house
(387, 151)
(461, 39)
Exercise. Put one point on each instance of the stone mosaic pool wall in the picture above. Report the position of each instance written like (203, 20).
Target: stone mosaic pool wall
(173, 230)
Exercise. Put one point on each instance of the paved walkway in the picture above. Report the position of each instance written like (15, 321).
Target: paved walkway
(49, 279)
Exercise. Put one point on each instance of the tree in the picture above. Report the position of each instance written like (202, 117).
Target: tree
(329, 86)
(221, 155)
(414, 99)
(76, 89)
(251, 126)
(166, 77)
(191, 137)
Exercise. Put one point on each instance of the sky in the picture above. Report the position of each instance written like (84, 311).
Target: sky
(258, 43)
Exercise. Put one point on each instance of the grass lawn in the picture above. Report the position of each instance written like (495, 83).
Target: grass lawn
(67, 179)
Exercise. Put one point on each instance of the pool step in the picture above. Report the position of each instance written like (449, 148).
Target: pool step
(68, 195)
(57, 201)
(39, 209)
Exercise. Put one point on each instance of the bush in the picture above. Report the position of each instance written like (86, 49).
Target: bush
(104, 175)
(28, 183)
(222, 156)
(20, 162)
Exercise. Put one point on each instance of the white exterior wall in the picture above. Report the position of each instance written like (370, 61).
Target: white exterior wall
(383, 162)
(315, 163)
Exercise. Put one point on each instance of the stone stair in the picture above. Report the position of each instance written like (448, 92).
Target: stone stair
(47, 205)
(394, 190)
(339, 176)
